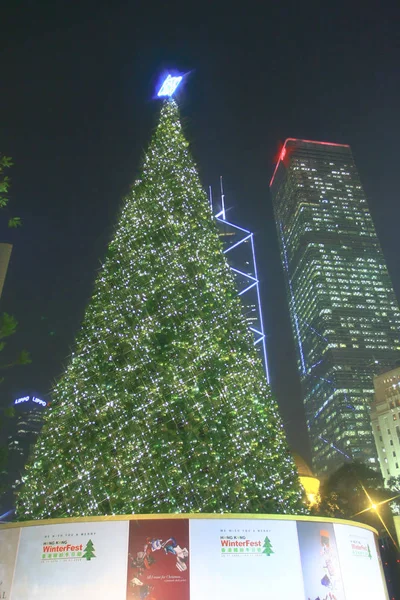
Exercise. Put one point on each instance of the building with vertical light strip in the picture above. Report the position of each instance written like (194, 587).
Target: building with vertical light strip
(239, 249)
(344, 314)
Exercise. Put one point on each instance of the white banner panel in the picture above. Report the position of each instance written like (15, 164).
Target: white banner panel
(320, 561)
(190, 558)
(359, 563)
(243, 558)
(9, 539)
(85, 561)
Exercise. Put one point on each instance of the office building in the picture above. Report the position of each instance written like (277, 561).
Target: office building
(22, 432)
(344, 314)
(385, 418)
(238, 244)
(27, 425)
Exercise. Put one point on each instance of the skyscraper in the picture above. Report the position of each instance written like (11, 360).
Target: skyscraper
(343, 310)
(239, 249)
(27, 424)
(22, 432)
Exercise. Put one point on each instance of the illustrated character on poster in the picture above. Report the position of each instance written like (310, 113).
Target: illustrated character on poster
(156, 544)
(141, 590)
(141, 562)
(144, 560)
(148, 550)
(151, 561)
(172, 547)
(331, 577)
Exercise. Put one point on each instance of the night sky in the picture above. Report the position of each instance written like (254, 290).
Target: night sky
(77, 110)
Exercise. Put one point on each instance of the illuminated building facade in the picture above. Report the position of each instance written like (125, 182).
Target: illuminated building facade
(28, 423)
(385, 418)
(310, 483)
(22, 432)
(240, 252)
(344, 314)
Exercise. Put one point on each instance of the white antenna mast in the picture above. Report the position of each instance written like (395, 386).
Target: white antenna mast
(210, 198)
(222, 198)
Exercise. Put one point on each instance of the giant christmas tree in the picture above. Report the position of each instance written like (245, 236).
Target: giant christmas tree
(164, 405)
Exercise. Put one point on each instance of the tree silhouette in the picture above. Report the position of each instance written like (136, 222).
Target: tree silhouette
(267, 547)
(88, 552)
(164, 406)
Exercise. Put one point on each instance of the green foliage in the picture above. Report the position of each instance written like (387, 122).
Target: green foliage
(394, 483)
(8, 326)
(164, 405)
(5, 182)
(14, 222)
(9, 412)
(350, 492)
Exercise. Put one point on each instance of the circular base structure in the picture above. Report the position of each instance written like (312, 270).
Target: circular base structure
(190, 557)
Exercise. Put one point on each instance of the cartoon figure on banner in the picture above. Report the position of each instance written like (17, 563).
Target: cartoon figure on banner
(329, 568)
(171, 547)
(144, 560)
(141, 590)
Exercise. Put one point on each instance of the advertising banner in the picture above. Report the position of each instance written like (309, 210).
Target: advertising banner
(320, 561)
(158, 560)
(240, 558)
(360, 564)
(9, 539)
(76, 560)
(197, 558)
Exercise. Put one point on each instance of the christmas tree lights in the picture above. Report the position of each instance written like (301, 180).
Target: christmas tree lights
(164, 406)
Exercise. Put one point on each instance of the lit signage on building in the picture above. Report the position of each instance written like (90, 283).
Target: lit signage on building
(33, 399)
(20, 400)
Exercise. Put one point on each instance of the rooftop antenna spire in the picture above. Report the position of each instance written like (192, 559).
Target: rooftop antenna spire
(210, 197)
(222, 198)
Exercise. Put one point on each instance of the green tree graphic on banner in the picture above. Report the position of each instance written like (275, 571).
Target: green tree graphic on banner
(267, 547)
(89, 551)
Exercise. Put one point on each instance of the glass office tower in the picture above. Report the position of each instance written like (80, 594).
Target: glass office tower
(239, 248)
(344, 314)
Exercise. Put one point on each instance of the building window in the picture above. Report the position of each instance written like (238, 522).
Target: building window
(391, 442)
(394, 453)
(389, 432)
(397, 465)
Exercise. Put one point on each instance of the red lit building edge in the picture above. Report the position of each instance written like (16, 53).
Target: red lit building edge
(283, 151)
